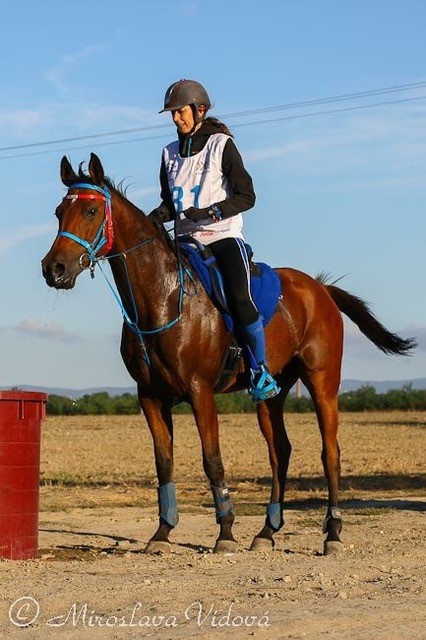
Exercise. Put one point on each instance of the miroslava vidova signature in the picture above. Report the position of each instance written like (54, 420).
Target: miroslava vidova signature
(196, 612)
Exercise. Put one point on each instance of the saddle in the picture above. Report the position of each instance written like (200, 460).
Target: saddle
(265, 284)
(265, 289)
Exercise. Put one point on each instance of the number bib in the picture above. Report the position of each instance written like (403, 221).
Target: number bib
(198, 181)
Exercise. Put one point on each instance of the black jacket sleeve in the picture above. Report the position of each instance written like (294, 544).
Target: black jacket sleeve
(166, 199)
(243, 196)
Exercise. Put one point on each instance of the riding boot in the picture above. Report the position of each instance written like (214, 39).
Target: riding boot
(262, 385)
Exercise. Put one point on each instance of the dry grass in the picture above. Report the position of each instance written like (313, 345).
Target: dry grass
(108, 460)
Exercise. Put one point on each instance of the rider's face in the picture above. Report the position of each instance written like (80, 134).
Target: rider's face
(184, 118)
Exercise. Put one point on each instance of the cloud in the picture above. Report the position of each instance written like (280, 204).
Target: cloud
(11, 239)
(354, 337)
(363, 361)
(296, 148)
(94, 115)
(54, 332)
(56, 74)
(373, 148)
(22, 121)
(142, 192)
(77, 118)
(419, 333)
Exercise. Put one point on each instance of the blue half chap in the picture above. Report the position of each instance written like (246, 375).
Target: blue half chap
(254, 337)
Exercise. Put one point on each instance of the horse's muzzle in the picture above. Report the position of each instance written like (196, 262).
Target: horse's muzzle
(57, 274)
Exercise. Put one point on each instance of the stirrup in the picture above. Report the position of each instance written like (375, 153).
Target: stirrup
(262, 385)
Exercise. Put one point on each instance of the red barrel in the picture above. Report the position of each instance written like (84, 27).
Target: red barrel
(21, 413)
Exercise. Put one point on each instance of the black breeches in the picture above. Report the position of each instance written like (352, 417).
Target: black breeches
(231, 257)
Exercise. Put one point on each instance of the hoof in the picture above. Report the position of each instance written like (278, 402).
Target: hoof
(262, 544)
(226, 547)
(332, 548)
(158, 547)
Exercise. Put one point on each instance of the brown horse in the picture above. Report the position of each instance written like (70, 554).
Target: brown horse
(174, 343)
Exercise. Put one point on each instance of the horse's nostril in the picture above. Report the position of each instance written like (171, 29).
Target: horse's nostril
(53, 272)
(57, 269)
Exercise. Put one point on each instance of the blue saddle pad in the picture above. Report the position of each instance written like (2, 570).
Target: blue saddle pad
(265, 289)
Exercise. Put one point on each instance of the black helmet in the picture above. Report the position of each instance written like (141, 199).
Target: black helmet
(184, 92)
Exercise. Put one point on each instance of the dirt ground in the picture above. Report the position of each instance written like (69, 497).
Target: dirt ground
(98, 509)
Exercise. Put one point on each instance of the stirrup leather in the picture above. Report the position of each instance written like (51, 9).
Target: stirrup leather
(262, 385)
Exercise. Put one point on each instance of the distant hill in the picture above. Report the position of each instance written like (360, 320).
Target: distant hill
(381, 386)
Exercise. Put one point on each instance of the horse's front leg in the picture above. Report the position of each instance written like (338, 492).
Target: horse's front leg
(205, 413)
(159, 418)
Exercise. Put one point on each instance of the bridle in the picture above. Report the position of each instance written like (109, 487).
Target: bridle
(104, 236)
(103, 240)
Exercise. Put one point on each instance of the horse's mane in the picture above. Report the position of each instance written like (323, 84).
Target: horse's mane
(119, 188)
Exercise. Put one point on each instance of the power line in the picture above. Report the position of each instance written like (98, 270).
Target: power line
(88, 137)
(242, 124)
(291, 105)
(328, 111)
(338, 98)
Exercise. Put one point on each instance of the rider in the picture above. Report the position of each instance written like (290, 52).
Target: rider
(205, 188)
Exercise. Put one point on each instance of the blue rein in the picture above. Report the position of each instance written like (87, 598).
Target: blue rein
(93, 249)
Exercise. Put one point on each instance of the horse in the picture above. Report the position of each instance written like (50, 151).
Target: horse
(174, 342)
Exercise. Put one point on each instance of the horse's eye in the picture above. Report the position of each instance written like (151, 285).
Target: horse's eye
(90, 213)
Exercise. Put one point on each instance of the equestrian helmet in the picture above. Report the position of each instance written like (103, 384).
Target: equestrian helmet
(184, 92)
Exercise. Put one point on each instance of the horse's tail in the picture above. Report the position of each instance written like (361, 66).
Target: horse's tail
(358, 311)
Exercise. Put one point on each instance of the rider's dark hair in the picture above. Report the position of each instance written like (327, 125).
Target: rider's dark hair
(220, 125)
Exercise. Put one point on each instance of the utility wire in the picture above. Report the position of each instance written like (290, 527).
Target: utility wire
(328, 111)
(242, 124)
(292, 105)
(338, 98)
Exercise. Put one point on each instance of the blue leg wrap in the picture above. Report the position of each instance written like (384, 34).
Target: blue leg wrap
(222, 501)
(167, 504)
(274, 515)
(262, 385)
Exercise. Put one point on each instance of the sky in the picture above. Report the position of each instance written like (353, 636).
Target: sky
(340, 181)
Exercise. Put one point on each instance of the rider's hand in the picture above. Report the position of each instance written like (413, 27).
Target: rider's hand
(195, 215)
(160, 214)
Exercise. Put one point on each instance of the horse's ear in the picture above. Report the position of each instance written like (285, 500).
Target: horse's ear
(96, 170)
(68, 175)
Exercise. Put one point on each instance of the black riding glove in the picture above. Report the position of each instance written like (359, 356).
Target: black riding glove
(160, 214)
(195, 215)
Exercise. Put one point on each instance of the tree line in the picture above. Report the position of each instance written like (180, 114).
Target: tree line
(363, 399)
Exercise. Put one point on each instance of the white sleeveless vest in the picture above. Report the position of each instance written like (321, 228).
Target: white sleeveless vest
(198, 181)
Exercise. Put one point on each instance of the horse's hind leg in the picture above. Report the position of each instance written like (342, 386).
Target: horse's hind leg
(324, 395)
(159, 420)
(271, 422)
(205, 413)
